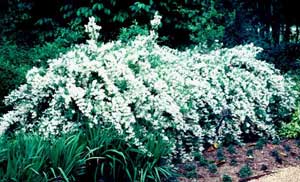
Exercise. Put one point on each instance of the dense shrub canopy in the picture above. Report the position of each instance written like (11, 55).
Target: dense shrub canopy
(189, 98)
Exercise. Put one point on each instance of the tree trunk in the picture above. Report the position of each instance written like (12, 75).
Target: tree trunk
(297, 33)
(275, 22)
(287, 32)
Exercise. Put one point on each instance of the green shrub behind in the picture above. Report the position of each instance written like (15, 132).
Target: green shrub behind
(14, 63)
(292, 128)
(16, 60)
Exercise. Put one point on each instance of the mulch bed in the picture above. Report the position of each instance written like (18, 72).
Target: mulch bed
(262, 159)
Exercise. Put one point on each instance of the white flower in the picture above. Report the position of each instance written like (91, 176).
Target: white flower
(156, 21)
(93, 29)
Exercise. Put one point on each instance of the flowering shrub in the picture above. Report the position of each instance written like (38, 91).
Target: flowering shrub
(138, 88)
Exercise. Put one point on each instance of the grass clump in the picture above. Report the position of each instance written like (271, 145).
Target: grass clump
(85, 156)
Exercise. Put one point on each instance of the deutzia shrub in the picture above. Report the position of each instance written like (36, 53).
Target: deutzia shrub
(141, 88)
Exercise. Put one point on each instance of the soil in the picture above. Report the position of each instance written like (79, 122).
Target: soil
(289, 174)
(264, 162)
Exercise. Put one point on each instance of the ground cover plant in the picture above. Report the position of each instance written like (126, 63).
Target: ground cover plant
(245, 171)
(244, 168)
(226, 178)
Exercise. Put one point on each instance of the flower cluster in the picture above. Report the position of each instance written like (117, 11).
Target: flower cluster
(156, 21)
(189, 98)
(93, 29)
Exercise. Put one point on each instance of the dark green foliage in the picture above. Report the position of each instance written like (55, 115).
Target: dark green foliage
(297, 142)
(184, 23)
(33, 158)
(87, 156)
(191, 174)
(134, 67)
(189, 167)
(274, 153)
(231, 149)
(220, 155)
(285, 56)
(16, 60)
(13, 21)
(22, 158)
(122, 85)
(110, 156)
(276, 141)
(24, 29)
(264, 23)
(197, 156)
(66, 157)
(14, 63)
(260, 143)
(201, 21)
(191, 171)
(203, 162)
(131, 32)
(212, 168)
(226, 178)
(249, 153)
(287, 148)
(264, 167)
(245, 171)
(201, 159)
(172, 179)
(195, 21)
(292, 129)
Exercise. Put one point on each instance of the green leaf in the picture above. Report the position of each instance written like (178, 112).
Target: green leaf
(63, 173)
(107, 11)
(98, 6)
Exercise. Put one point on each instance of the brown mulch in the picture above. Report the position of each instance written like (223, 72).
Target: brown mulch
(289, 174)
(263, 163)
